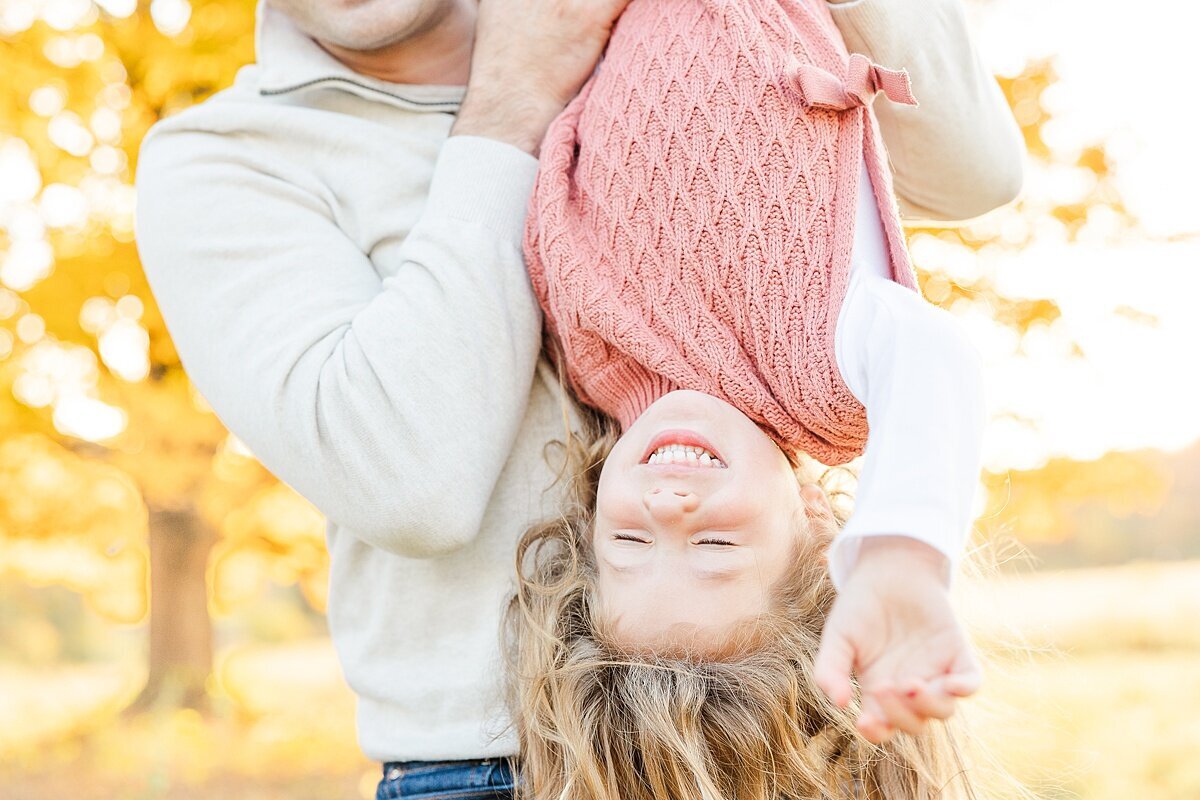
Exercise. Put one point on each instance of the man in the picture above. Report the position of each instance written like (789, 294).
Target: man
(335, 245)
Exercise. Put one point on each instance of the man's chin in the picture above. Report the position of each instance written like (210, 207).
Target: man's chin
(363, 25)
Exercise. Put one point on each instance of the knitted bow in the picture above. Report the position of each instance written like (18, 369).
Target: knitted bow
(821, 89)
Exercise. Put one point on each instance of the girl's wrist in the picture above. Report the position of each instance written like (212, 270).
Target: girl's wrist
(904, 554)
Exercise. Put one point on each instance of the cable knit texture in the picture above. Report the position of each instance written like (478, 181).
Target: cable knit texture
(693, 218)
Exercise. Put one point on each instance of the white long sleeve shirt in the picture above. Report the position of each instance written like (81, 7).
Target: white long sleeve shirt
(921, 381)
(345, 287)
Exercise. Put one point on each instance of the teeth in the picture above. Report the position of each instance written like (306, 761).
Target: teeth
(691, 455)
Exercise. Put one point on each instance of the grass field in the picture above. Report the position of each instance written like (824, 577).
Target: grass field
(1103, 704)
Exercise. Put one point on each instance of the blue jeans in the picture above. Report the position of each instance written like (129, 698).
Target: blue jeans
(480, 779)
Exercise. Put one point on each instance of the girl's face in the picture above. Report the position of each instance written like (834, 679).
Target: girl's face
(697, 512)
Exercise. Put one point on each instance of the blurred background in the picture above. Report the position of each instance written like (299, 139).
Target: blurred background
(161, 596)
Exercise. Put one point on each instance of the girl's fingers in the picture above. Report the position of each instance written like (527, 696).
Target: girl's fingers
(835, 658)
(965, 675)
(961, 685)
(897, 713)
(928, 702)
(872, 723)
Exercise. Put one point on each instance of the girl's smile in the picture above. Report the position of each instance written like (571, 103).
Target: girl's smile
(684, 447)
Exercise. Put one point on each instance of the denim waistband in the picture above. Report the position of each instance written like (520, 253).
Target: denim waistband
(475, 778)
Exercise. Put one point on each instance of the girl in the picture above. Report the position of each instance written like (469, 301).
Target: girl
(745, 720)
(714, 241)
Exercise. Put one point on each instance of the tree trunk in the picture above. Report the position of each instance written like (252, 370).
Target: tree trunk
(181, 634)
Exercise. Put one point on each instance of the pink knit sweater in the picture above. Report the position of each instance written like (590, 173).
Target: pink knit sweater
(692, 222)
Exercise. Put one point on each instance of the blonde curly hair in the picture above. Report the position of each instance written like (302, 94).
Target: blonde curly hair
(597, 722)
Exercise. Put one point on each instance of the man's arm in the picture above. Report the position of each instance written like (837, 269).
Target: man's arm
(392, 405)
(960, 153)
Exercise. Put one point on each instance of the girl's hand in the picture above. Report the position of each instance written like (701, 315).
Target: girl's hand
(894, 627)
(530, 58)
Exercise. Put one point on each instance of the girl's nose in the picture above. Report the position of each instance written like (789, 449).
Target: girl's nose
(670, 505)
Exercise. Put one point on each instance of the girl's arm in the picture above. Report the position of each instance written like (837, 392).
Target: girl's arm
(893, 625)
(921, 381)
(958, 154)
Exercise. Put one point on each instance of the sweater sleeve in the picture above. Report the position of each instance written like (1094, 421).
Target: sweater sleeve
(921, 381)
(392, 405)
(958, 154)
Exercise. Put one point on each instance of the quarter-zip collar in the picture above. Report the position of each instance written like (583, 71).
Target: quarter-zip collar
(290, 61)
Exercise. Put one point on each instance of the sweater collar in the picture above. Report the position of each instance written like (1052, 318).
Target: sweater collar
(291, 61)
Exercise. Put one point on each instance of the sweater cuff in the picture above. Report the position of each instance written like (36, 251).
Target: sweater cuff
(625, 389)
(843, 553)
(483, 181)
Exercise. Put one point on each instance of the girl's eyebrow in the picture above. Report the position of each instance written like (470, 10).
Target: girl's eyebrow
(623, 569)
(721, 574)
(733, 563)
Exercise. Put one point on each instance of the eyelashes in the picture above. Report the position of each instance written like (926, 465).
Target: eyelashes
(626, 537)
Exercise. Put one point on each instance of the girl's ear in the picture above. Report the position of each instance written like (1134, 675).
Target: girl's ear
(816, 502)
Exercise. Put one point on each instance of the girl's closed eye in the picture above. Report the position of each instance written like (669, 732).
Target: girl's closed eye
(630, 537)
(717, 541)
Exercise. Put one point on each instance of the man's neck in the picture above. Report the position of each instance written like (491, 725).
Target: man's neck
(439, 55)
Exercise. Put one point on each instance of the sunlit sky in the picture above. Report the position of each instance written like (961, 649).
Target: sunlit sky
(1126, 79)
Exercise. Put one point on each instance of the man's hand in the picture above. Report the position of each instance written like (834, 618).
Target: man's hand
(530, 58)
(893, 625)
